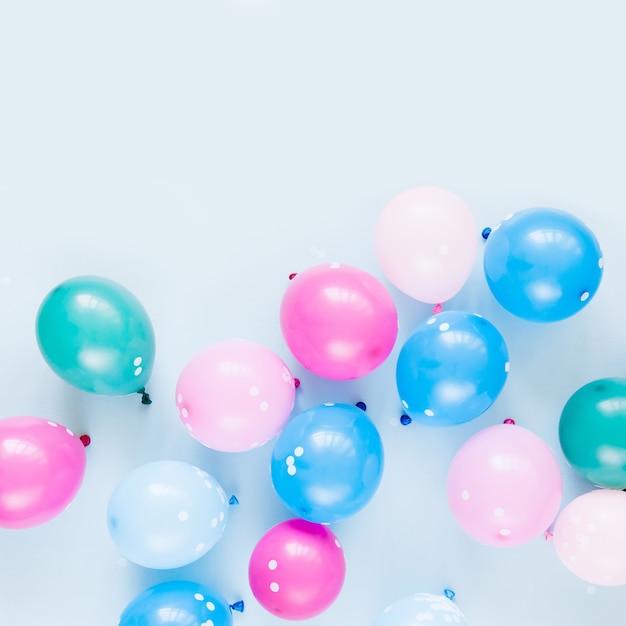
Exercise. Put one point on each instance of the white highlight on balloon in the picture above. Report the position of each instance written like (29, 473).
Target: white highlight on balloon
(137, 361)
(290, 460)
(183, 516)
(185, 413)
(274, 587)
(443, 327)
(584, 296)
(291, 470)
(69, 432)
(210, 606)
(254, 391)
(138, 371)
(505, 532)
(198, 596)
(465, 495)
(272, 564)
(264, 406)
(298, 451)
(499, 512)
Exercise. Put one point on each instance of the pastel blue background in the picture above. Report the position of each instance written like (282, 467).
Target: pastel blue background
(200, 152)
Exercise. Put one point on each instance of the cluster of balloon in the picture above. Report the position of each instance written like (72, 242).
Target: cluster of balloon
(297, 569)
(542, 264)
(97, 336)
(451, 369)
(42, 464)
(166, 514)
(327, 462)
(433, 609)
(235, 395)
(338, 321)
(504, 486)
(181, 603)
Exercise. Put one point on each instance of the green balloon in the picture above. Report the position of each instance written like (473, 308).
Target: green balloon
(592, 432)
(97, 336)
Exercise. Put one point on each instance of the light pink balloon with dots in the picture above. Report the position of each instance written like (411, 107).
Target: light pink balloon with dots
(235, 395)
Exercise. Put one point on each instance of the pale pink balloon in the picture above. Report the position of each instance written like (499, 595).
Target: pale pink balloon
(297, 569)
(338, 321)
(425, 241)
(590, 537)
(42, 465)
(504, 486)
(235, 395)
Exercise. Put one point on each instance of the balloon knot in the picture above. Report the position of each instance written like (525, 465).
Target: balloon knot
(292, 275)
(549, 535)
(237, 606)
(296, 382)
(486, 232)
(508, 420)
(405, 420)
(85, 440)
(361, 405)
(449, 594)
(437, 309)
(145, 398)
(233, 501)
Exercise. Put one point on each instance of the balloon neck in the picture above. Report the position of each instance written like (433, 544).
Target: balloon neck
(296, 382)
(437, 308)
(405, 420)
(508, 420)
(292, 275)
(145, 398)
(237, 606)
(449, 594)
(85, 440)
(486, 232)
(361, 405)
(549, 535)
(233, 500)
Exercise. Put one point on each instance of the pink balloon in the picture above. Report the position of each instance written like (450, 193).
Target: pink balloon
(426, 241)
(42, 465)
(338, 321)
(297, 569)
(235, 395)
(590, 539)
(504, 486)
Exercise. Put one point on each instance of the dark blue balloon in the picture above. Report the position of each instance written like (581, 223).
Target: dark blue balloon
(542, 265)
(451, 369)
(177, 603)
(327, 462)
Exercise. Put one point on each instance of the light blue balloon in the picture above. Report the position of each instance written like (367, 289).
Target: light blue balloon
(327, 462)
(421, 608)
(177, 603)
(451, 369)
(166, 514)
(542, 264)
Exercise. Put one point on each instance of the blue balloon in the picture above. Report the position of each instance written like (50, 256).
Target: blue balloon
(451, 369)
(542, 265)
(418, 608)
(327, 462)
(166, 514)
(177, 603)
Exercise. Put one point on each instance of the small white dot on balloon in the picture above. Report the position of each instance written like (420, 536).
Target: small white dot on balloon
(264, 406)
(214, 522)
(122, 562)
(272, 564)
(329, 404)
(591, 589)
(183, 516)
(505, 532)
(53, 424)
(138, 371)
(432, 320)
(465, 494)
(337, 543)
(209, 622)
(600, 263)
(200, 547)
(443, 327)
(290, 460)
(198, 596)
(208, 484)
(254, 391)
(221, 516)
(137, 361)
(584, 296)
(188, 427)
(405, 404)
(444, 249)
(185, 413)
(274, 587)
(429, 412)
(499, 512)
(179, 398)
(298, 451)
(291, 470)
(210, 606)
(69, 432)
(507, 366)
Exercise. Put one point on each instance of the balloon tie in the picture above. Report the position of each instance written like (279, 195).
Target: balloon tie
(233, 501)
(449, 594)
(486, 232)
(237, 606)
(292, 275)
(508, 420)
(361, 405)
(405, 420)
(437, 309)
(296, 382)
(145, 398)
(549, 535)
(85, 440)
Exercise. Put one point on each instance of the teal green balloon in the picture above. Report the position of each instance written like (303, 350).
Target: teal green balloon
(592, 432)
(96, 335)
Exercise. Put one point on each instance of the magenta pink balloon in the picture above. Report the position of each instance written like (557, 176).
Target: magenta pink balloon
(297, 569)
(235, 395)
(504, 486)
(426, 240)
(590, 539)
(338, 321)
(42, 465)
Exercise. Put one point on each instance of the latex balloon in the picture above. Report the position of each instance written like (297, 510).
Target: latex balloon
(166, 514)
(235, 395)
(451, 369)
(428, 608)
(42, 465)
(297, 569)
(327, 462)
(542, 264)
(96, 336)
(338, 321)
(504, 486)
(177, 603)
(426, 241)
(592, 432)
(589, 537)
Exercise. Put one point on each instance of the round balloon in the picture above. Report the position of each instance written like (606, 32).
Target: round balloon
(297, 569)
(432, 609)
(592, 432)
(504, 486)
(166, 514)
(542, 264)
(177, 603)
(426, 241)
(235, 395)
(96, 336)
(338, 321)
(327, 462)
(42, 465)
(589, 537)
(451, 369)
